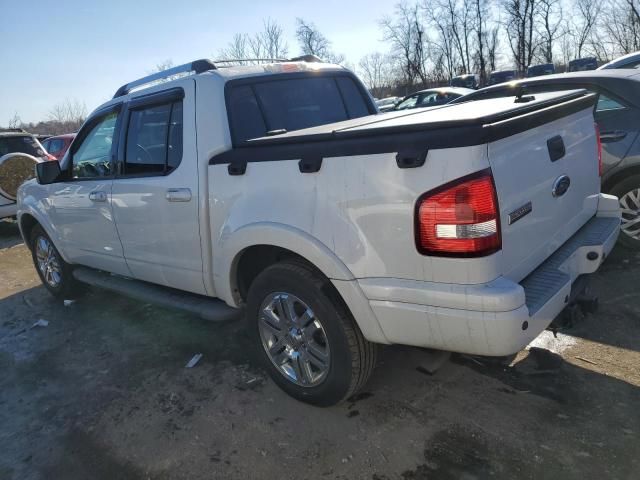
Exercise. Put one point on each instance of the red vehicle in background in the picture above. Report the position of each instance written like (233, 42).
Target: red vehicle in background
(57, 146)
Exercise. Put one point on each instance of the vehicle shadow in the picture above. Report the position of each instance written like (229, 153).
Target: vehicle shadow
(9, 234)
(616, 287)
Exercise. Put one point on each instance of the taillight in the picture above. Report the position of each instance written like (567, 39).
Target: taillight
(599, 146)
(460, 218)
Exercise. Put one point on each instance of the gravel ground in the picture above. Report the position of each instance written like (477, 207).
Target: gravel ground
(102, 393)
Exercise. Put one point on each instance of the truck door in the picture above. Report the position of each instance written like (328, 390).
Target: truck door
(82, 208)
(155, 193)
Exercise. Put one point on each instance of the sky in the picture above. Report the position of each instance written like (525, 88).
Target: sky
(74, 49)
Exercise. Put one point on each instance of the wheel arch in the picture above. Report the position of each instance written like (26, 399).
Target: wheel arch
(620, 176)
(264, 243)
(273, 242)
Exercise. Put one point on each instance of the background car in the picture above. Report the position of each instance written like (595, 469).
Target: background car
(540, 70)
(617, 113)
(57, 146)
(502, 76)
(17, 140)
(631, 60)
(468, 80)
(387, 103)
(14, 171)
(583, 64)
(431, 97)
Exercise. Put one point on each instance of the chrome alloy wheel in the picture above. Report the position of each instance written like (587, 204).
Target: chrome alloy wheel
(294, 339)
(630, 206)
(48, 262)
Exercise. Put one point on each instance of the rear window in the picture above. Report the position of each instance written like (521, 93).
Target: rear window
(292, 104)
(21, 144)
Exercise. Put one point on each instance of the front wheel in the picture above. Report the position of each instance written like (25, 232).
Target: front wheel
(308, 340)
(53, 271)
(628, 191)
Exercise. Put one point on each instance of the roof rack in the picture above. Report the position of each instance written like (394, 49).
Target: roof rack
(197, 66)
(13, 130)
(203, 65)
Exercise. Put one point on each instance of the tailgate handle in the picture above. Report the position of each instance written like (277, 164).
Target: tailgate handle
(556, 148)
(411, 158)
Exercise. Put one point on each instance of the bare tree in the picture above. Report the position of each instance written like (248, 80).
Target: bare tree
(313, 42)
(520, 29)
(68, 112)
(550, 19)
(266, 44)
(376, 72)
(585, 16)
(406, 34)
(16, 121)
(620, 22)
(480, 20)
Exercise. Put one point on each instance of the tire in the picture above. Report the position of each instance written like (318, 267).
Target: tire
(61, 284)
(335, 360)
(628, 191)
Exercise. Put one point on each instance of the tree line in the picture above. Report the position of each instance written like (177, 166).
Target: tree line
(427, 42)
(431, 41)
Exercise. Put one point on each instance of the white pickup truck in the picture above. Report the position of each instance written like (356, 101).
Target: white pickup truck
(276, 191)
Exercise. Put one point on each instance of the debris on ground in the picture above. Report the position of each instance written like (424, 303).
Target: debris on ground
(585, 360)
(194, 360)
(40, 323)
(68, 303)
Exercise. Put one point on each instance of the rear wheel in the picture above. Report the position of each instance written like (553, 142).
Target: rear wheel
(628, 191)
(53, 271)
(308, 341)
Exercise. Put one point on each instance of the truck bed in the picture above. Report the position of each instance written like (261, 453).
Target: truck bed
(449, 126)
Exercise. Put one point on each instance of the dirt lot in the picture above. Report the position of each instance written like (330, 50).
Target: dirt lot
(102, 393)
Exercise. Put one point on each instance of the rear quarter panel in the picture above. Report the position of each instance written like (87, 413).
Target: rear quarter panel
(361, 208)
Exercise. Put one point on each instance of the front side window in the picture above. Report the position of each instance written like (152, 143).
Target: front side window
(154, 140)
(92, 158)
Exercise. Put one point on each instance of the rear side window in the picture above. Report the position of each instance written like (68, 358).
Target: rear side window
(605, 103)
(292, 104)
(154, 140)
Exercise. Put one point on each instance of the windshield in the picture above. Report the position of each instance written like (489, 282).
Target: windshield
(20, 144)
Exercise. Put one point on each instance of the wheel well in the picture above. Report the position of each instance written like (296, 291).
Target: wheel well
(27, 222)
(619, 177)
(253, 260)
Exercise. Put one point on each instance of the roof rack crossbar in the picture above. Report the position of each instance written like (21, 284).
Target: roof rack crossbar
(197, 66)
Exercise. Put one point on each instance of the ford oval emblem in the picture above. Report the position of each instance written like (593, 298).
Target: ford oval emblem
(561, 185)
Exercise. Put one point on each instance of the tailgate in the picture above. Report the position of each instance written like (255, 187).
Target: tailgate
(547, 184)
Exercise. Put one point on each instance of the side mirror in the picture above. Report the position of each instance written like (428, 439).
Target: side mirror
(48, 172)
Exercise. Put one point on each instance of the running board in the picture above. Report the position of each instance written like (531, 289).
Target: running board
(207, 308)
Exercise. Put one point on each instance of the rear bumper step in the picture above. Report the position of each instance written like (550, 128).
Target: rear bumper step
(207, 308)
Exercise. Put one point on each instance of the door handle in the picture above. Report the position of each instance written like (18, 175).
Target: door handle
(612, 136)
(98, 196)
(179, 195)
